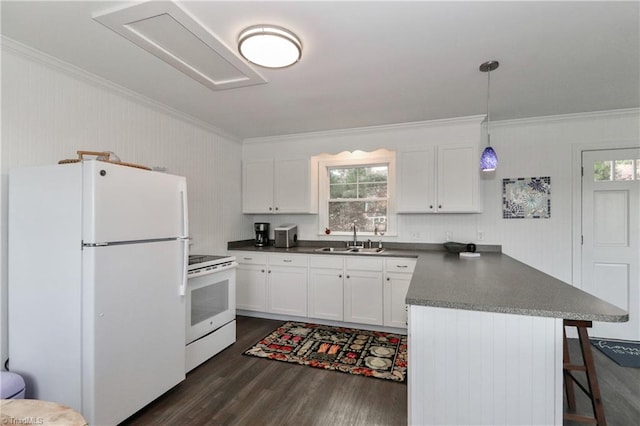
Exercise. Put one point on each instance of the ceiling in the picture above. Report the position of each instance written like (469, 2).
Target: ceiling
(369, 63)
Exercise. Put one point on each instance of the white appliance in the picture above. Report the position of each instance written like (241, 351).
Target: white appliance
(211, 307)
(97, 275)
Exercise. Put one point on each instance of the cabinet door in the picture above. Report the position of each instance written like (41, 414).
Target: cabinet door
(363, 297)
(257, 186)
(251, 287)
(293, 187)
(288, 290)
(326, 293)
(395, 293)
(416, 183)
(458, 179)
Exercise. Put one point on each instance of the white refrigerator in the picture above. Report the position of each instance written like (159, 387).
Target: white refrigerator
(97, 272)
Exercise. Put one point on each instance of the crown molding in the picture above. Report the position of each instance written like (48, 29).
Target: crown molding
(457, 121)
(568, 117)
(10, 45)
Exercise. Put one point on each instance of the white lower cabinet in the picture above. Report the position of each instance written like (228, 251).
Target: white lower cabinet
(398, 274)
(326, 287)
(287, 284)
(251, 281)
(363, 290)
(355, 289)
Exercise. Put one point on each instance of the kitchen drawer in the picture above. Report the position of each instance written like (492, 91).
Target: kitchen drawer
(363, 264)
(319, 261)
(287, 260)
(251, 258)
(400, 265)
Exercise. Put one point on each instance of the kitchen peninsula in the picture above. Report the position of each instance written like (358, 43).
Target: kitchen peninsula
(485, 340)
(485, 333)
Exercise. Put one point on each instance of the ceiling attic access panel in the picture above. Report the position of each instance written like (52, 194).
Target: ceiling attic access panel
(168, 32)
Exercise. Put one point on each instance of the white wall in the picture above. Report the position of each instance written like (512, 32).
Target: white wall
(526, 148)
(50, 110)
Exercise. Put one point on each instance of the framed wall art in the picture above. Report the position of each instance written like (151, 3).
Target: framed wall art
(526, 198)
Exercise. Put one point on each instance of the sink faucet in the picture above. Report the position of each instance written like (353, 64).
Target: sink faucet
(355, 235)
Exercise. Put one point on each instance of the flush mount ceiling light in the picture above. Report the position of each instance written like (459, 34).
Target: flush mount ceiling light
(269, 46)
(489, 158)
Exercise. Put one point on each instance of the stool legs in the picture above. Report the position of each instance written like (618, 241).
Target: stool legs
(593, 391)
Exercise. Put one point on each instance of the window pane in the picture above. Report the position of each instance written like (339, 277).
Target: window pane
(341, 175)
(372, 174)
(602, 170)
(624, 170)
(638, 169)
(373, 190)
(366, 214)
(343, 191)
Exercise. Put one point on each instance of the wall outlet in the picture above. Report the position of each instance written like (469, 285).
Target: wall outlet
(480, 235)
(414, 236)
(448, 235)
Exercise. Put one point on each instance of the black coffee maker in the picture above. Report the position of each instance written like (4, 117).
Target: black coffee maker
(262, 234)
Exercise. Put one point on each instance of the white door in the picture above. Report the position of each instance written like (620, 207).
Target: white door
(288, 290)
(123, 203)
(363, 297)
(458, 175)
(611, 235)
(133, 327)
(257, 186)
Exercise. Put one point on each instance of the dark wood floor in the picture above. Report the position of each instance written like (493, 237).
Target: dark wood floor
(232, 389)
(619, 386)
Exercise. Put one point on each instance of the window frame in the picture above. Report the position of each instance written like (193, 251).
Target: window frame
(360, 161)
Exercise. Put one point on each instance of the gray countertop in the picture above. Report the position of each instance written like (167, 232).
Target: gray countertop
(493, 282)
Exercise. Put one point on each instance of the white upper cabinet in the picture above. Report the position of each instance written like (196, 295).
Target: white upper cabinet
(279, 186)
(440, 179)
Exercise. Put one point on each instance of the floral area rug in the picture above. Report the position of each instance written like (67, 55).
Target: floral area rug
(368, 353)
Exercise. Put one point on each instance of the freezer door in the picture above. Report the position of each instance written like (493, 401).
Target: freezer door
(133, 328)
(123, 203)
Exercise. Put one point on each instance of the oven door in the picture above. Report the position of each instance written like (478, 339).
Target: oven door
(211, 302)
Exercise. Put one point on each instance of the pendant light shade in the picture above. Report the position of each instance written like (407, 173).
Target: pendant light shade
(489, 158)
(269, 46)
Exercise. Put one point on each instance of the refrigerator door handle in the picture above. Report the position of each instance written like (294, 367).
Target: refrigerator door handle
(185, 210)
(185, 262)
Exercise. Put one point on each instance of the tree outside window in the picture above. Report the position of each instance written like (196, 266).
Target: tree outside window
(358, 194)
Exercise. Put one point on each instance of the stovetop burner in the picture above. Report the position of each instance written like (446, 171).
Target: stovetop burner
(202, 258)
(201, 263)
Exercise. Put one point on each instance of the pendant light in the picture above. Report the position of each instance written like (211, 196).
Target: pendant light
(489, 159)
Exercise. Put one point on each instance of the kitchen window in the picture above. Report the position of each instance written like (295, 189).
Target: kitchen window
(357, 190)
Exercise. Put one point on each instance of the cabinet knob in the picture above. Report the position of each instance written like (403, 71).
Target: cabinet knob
(388, 279)
(348, 276)
(262, 271)
(270, 208)
(269, 271)
(430, 206)
(276, 209)
(339, 275)
(439, 206)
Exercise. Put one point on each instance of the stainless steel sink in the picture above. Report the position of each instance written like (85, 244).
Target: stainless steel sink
(347, 250)
(334, 249)
(367, 250)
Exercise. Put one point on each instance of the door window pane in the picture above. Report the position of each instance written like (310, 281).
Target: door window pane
(602, 171)
(623, 170)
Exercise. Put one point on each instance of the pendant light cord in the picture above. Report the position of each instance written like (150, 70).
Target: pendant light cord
(488, 110)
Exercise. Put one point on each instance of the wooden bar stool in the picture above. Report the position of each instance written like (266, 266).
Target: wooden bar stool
(592, 390)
